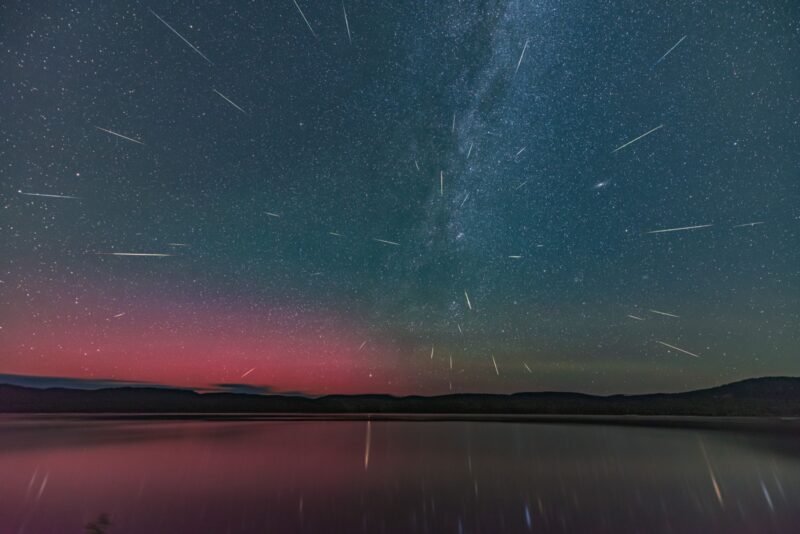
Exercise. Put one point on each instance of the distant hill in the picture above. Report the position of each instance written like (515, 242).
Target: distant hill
(772, 396)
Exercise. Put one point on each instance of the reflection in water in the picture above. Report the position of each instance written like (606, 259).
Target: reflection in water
(355, 476)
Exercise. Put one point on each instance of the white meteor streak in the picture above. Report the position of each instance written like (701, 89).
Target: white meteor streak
(229, 101)
(441, 183)
(117, 316)
(636, 318)
(164, 22)
(178, 244)
(522, 55)
(749, 224)
(634, 140)
(44, 485)
(248, 372)
(335, 234)
(347, 24)
(515, 257)
(47, 195)
(367, 445)
(386, 242)
(670, 50)
(681, 229)
(120, 135)
(665, 313)
(496, 370)
(526, 367)
(304, 18)
(145, 254)
(521, 150)
(362, 345)
(273, 214)
(432, 349)
(714, 483)
(678, 349)
(466, 296)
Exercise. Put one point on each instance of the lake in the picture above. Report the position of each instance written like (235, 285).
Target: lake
(204, 475)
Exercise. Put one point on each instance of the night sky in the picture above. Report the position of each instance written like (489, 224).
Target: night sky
(400, 197)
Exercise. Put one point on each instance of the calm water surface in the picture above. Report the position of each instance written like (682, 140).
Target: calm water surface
(60, 475)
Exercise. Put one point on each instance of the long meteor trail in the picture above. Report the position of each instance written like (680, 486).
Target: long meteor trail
(640, 137)
(347, 24)
(229, 101)
(47, 195)
(145, 254)
(164, 22)
(664, 313)
(681, 229)
(678, 349)
(120, 135)
(522, 55)
(670, 50)
(367, 444)
(386, 242)
(305, 19)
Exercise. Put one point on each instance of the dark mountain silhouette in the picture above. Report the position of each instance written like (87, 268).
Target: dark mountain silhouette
(770, 396)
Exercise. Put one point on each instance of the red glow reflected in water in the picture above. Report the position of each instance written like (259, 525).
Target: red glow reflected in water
(310, 476)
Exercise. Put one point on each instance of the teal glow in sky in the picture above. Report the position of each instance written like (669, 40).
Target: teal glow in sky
(426, 197)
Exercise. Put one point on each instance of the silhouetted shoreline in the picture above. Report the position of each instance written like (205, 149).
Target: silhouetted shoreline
(757, 397)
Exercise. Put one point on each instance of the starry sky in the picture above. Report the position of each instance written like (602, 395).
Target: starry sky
(400, 197)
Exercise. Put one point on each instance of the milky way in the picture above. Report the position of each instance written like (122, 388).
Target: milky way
(216, 194)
